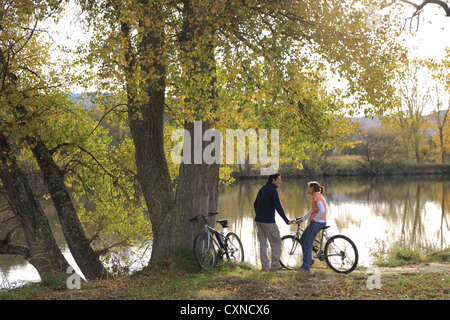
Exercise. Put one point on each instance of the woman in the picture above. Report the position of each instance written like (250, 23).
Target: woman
(317, 217)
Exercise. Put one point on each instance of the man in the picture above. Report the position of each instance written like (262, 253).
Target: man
(267, 201)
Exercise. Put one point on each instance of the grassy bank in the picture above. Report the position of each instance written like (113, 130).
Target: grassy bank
(400, 254)
(180, 279)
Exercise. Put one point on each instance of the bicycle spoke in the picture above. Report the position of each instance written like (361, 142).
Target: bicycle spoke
(341, 254)
(204, 251)
(233, 248)
(291, 253)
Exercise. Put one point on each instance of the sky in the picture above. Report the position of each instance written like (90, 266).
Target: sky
(432, 35)
(429, 38)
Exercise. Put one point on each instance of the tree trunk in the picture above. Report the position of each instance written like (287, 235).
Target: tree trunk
(152, 169)
(197, 193)
(441, 144)
(198, 183)
(42, 251)
(82, 252)
(146, 122)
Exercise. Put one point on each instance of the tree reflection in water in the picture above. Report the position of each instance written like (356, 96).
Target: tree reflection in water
(371, 211)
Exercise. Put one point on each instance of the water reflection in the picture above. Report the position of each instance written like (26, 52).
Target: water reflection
(372, 212)
(14, 270)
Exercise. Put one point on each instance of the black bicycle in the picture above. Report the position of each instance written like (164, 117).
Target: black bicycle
(339, 252)
(229, 246)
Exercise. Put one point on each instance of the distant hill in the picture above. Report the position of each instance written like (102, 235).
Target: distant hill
(78, 97)
(367, 123)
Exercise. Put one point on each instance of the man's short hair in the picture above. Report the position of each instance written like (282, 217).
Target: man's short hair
(273, 177)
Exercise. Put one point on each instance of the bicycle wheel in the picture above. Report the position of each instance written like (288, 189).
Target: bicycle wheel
(204, 251)
(234, 249)
(341, 254)
(291, 253)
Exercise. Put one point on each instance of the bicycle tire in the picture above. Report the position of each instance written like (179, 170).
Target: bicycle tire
(204, 251)
(234, 251)
(291, 253)
(341, 254)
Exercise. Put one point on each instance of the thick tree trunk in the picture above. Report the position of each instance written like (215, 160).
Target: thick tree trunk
(152, 170)
(146, 122)
(197, 193)
(198, 183)
(83, 254)
(42, 251)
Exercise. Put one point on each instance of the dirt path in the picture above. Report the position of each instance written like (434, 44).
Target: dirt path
(418, 268)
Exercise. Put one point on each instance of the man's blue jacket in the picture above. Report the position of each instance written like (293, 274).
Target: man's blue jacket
(266, 202)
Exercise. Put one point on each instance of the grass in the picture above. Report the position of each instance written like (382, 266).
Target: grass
(442, 255)
(400, 253)
(181, 279)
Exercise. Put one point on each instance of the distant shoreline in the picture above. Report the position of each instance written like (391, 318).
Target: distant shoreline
(359, 171)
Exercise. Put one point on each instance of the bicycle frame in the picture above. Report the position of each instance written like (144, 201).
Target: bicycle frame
(229, 245)
(319, 253)
(210, 234)
(339, 252)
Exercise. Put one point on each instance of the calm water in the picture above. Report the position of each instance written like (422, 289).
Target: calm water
(374, 213)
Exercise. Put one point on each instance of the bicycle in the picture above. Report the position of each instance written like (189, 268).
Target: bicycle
(339, 252)
(229, 246)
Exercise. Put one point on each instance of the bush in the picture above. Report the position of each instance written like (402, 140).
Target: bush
(400, 253)
(441, 256)
(55, 282)
(403, 256)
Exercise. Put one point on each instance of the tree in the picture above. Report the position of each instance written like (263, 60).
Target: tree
(26, 95)
(376, 146)
(76, 239)
(230, 62)
(409, 119)
(41, 250)
(440, 114)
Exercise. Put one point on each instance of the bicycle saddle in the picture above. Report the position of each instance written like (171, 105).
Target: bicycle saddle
(326, 227)
(224, 223)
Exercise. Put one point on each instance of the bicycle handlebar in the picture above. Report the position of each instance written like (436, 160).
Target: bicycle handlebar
(203, 216)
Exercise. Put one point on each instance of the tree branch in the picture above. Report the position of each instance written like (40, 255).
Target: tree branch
(7, 248)
(103, 117)
(8, 236)
(105, 250)
(14, 249)
(419, 7)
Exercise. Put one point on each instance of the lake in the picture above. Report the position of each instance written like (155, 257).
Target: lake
(376, 213)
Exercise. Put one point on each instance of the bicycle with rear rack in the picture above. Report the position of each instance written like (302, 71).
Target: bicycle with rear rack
(206, 242)
(339, 252)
